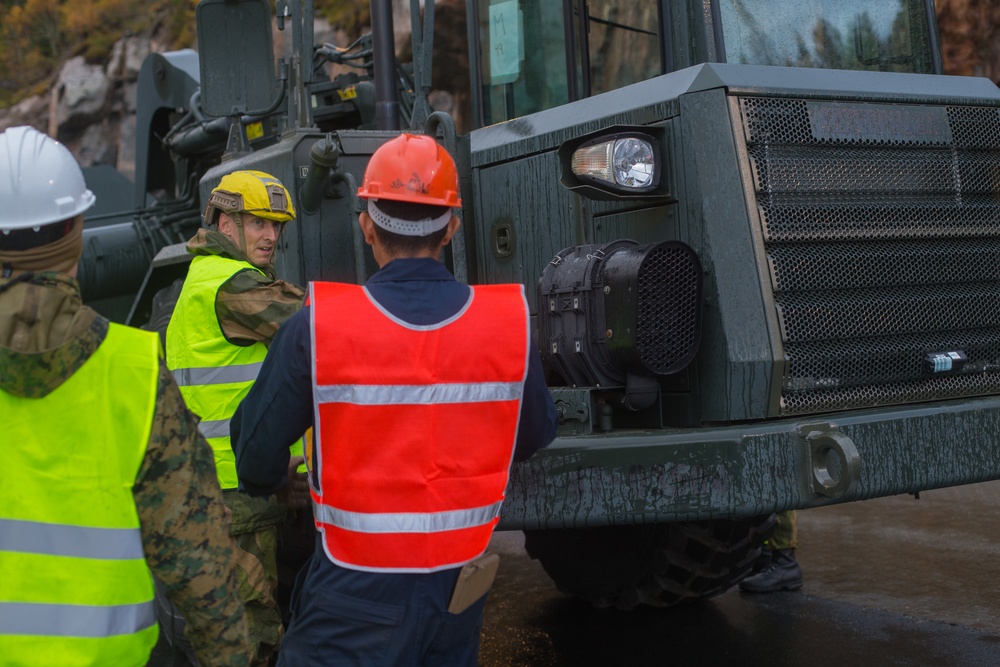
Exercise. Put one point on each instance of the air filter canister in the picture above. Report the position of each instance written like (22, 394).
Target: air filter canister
(607, 311)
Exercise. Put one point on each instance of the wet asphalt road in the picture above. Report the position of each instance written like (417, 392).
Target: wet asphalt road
(893, 581)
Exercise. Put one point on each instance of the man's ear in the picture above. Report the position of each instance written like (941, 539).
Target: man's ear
(452, 227)
(226, 224)
(367, 227)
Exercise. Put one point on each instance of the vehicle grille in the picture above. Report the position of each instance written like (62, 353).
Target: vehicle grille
(882, 249)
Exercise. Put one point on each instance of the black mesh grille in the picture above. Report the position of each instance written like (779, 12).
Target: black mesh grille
(881, 226)
(667, 325)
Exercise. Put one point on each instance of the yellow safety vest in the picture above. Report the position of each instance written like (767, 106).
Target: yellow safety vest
(74, 585)
(213, 374)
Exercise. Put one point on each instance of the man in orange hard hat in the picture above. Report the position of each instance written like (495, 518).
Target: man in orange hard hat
(423, 390)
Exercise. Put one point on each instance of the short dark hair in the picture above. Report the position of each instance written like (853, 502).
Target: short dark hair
(399, 244)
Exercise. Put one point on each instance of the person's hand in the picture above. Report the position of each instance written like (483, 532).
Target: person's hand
(295, 494)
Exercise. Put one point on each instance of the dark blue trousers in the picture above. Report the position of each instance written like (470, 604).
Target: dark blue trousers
(347, 617)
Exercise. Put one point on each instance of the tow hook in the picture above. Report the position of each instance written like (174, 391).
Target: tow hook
(833, 460)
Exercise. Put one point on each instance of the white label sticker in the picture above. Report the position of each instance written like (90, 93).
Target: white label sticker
(505, 38)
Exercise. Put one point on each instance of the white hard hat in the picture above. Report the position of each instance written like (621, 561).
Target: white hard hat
(40, 181)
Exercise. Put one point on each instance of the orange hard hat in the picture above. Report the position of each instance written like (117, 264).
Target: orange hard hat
(412, 168)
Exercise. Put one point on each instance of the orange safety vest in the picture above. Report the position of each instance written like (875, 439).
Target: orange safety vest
(416, 426)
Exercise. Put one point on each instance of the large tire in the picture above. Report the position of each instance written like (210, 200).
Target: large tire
(660, 565)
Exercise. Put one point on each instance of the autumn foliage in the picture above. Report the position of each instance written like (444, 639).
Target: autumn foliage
(36, 36)
(970, 37)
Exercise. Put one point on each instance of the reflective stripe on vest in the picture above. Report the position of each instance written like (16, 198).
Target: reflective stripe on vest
(75, 541)
(186, 377)
(433, 522)
(416, 426)
(482, 392)
(55, 620)
(213, 374)
(75, 588)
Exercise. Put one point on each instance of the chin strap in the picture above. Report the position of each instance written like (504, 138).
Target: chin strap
(238, 219)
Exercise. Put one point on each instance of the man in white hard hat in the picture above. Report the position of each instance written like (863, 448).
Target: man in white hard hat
(105, 476)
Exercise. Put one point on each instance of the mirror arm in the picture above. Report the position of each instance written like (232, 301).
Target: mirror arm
(283, 79)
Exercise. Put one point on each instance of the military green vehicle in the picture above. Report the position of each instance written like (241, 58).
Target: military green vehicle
(761, 242)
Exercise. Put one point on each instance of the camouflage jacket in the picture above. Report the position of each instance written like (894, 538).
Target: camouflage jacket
(250, 306)
(46, 335)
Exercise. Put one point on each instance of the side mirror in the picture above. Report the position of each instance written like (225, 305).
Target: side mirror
(236, 57)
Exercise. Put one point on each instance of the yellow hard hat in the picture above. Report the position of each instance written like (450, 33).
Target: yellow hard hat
(255, 192)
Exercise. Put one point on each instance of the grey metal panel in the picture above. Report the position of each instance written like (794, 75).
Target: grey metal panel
(543, 220)
(645, 225)
(749, 469)
(642, 103)
(166, 81)
(736, 377)
(237, 59)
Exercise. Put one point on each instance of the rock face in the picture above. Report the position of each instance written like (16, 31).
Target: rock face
(90, 108)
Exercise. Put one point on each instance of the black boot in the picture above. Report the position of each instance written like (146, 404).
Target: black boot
(761, 562)
(783, 574)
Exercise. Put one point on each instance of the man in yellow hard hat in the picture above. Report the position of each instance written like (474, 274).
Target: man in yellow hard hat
(105, 477)
(228, 310)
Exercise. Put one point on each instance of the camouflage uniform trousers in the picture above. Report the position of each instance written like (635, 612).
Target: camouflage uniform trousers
(254, 528)
(785, 532)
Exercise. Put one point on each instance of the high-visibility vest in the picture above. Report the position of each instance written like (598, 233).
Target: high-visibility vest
(416, 426)
(74, 585)
(213, 374)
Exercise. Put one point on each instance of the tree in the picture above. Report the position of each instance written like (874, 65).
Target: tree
(970, 37)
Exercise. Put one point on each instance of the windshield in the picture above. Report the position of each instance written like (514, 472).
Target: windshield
(832, 34)
(539, 54)
(524, 51)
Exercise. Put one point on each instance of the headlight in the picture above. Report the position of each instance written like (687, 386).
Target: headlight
(625, 161)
